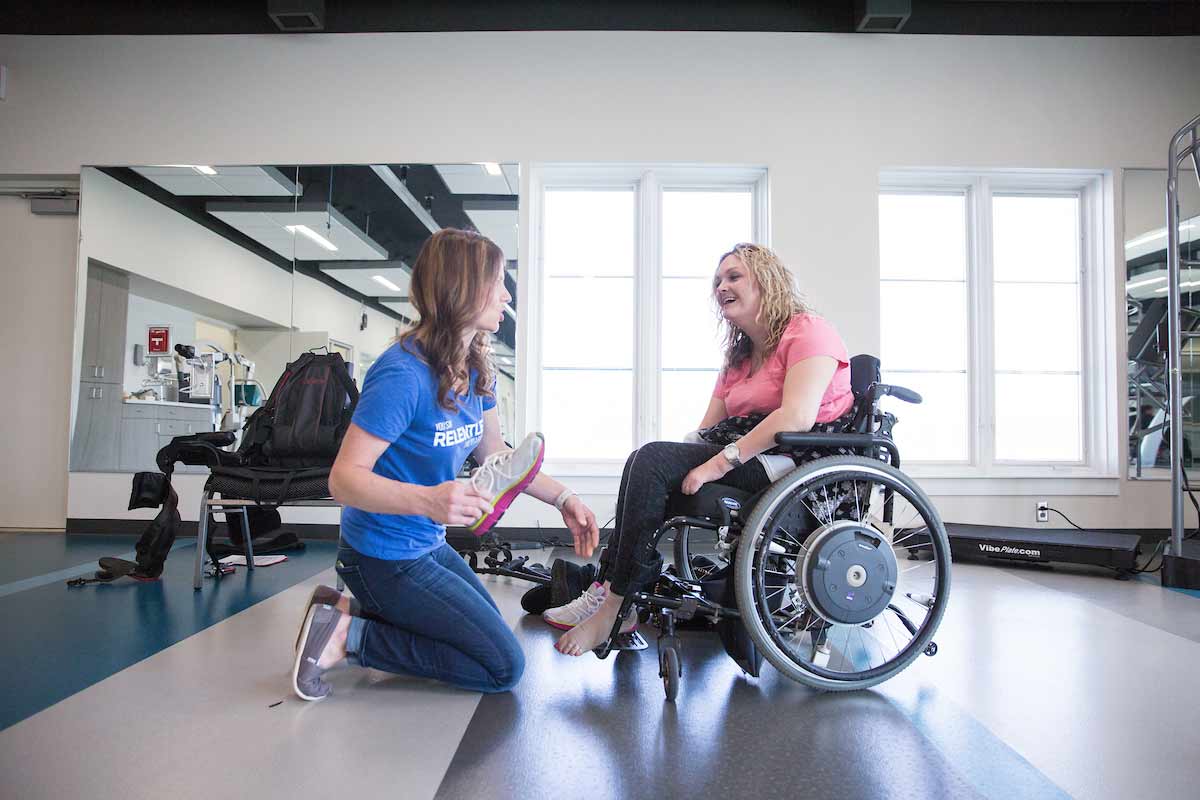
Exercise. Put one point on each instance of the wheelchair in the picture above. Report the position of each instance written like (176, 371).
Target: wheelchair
(838, 574)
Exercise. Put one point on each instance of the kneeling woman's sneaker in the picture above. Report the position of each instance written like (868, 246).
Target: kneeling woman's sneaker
(504, 475)
(315, 633)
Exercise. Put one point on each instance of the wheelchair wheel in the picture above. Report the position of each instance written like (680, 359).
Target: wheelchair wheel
(668, 670)
(823, 582)
(696, 554)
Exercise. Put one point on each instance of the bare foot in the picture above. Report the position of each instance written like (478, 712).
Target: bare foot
(592, 632)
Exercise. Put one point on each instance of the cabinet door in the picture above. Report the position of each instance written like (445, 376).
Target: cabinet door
(114, 312)
(90, 363)
(94, 448)
(139, 444)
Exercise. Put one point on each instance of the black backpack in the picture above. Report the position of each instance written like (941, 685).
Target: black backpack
(303, 421)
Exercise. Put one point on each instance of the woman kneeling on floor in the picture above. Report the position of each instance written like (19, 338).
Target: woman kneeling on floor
(786, 369)
(427, 403)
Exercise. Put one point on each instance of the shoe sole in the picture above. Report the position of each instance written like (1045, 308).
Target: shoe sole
(562, 626)
(304, 629)
(312, 601)
(485, 523)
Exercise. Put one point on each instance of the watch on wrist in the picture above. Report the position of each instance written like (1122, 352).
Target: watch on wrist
(732, 454)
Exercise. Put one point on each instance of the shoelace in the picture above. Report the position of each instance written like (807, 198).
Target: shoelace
(486, 474)
(589, 600)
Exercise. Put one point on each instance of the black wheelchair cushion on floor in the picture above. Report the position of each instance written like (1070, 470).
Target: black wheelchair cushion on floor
(707, 501)
(267, 486)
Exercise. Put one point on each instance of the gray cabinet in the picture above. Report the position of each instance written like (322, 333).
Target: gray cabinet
(97, 428)
(139, 444)
(147, 427)
(106, 311)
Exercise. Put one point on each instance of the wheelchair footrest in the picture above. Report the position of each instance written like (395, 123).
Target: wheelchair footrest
(629, 641)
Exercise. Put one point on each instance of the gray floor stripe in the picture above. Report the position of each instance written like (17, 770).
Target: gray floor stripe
(69, 572)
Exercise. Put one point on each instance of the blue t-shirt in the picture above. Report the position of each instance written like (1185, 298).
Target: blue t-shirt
(399, 403)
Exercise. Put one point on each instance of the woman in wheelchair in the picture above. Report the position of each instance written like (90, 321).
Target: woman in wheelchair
(427, 403)
(786, 369)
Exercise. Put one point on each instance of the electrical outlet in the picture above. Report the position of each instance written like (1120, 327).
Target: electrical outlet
(1043, 511)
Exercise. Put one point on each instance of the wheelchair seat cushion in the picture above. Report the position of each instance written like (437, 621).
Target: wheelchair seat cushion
(269, 486)
(707, 501)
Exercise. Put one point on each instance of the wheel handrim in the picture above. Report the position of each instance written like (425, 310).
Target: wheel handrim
(817, 642)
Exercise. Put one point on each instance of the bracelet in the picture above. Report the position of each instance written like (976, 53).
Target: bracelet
(562, 499)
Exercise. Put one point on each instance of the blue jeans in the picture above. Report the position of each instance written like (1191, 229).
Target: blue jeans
(431, 617)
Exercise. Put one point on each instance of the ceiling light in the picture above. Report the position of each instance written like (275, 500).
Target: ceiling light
(311, 234)
(203, 170)
(385, 283)
(492, 168)
(1187, 285)
(1146, 282)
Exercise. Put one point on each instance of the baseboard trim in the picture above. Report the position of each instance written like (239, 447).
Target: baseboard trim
(458, 538)
(76, 525)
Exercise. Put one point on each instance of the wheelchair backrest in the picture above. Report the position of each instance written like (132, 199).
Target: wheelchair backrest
(864, 371)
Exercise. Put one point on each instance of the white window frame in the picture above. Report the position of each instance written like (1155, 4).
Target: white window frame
(648, 181)
(1098, 471)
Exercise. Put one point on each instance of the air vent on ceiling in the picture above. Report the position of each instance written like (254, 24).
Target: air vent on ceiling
(882, 16)
(297, 16)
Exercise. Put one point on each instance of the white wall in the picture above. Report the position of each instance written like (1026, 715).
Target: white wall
(37, 264)
(823, 112)
(128, 230)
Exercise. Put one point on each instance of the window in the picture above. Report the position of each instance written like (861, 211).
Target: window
(992, 301)
(623, 331)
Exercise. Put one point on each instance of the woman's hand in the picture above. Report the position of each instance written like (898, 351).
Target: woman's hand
(455, 503)
(712, 470)
(581, 522)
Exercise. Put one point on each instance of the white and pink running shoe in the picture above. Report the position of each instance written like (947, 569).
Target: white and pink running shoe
(504, 475)
(581, 608)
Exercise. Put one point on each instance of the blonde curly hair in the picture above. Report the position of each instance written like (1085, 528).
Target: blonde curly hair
(780, 302)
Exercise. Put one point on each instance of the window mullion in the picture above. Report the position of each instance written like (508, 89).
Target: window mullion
(983, 371)
(647, 273)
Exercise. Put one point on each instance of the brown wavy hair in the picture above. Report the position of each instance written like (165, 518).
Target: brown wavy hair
(780, 301)
(451, 280)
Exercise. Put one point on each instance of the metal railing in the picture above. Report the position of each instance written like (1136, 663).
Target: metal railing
(1185, 146)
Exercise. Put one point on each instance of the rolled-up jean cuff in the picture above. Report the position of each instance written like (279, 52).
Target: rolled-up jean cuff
(354, 638)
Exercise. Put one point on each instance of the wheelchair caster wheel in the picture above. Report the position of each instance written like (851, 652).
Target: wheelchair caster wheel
(931, 649)
(669, 670)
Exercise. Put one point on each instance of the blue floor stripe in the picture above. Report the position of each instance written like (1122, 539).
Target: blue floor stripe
(65, 640)
(70, 572)
(1157, 581)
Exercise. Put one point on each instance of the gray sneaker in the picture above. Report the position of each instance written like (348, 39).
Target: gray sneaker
(318, 627)
(329, 596)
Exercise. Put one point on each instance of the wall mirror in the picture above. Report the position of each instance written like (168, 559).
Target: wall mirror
(204, 281)
(1146, 317)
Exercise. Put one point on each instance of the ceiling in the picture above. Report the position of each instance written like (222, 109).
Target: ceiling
(976, 17)
(355, 228)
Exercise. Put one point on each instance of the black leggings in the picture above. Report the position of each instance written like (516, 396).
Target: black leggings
(655, 470)
(651, 473)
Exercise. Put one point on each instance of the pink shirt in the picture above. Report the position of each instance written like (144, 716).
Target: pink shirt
(806, 336)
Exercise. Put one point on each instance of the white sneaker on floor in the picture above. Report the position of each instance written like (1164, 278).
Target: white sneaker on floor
(578, 610)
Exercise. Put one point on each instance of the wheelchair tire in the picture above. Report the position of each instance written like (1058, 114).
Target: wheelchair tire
(695, 554)
(813, 573)
(668, 669)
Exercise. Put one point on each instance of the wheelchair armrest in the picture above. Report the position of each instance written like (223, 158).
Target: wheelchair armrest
(200, 449)
(851, 441)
